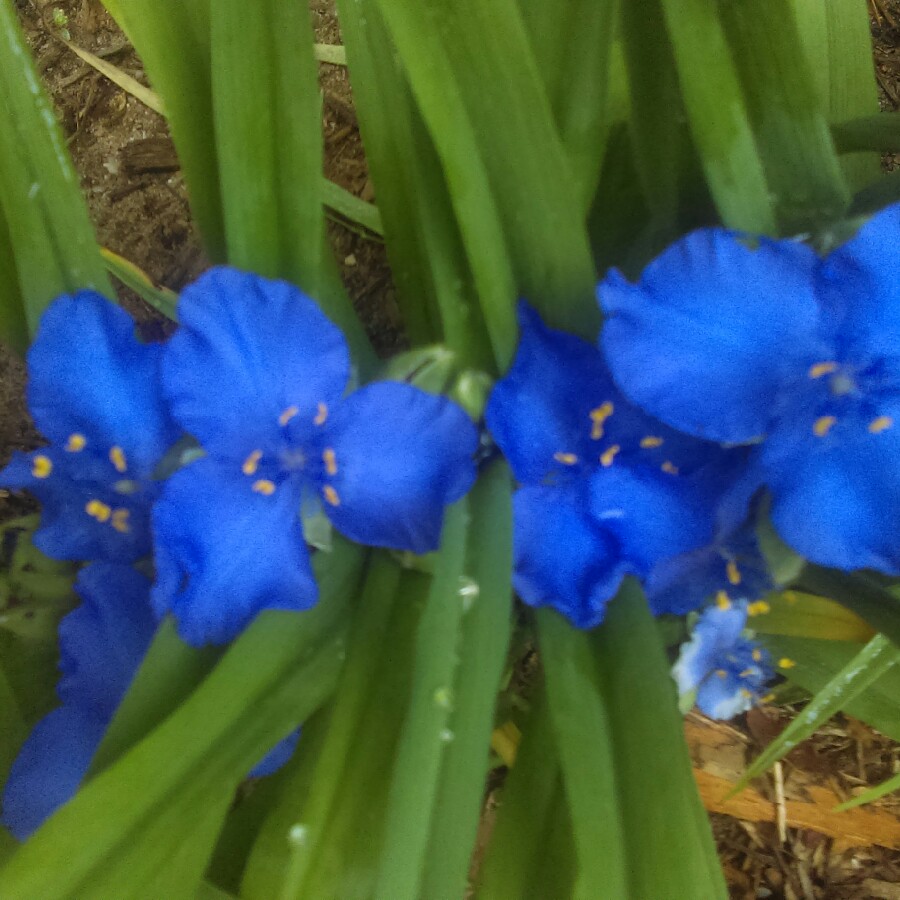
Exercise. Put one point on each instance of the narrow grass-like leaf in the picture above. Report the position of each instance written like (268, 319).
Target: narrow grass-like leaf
(13, 322)
(423, 742)
(276, 674)
(817, 662)
(791, 128)
(805, 615)
(583, 736)
(173, 44)
(669, 842)
(477, 85)
(866, 667)
(161, 299)
(718, 115)
(13, 730)
(484, 640)
(872, 794)
(47, 224)
(880, 133)
(350, 207)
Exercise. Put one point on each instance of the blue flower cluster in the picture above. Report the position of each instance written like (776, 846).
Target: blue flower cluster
(203, 454)
(732, 370)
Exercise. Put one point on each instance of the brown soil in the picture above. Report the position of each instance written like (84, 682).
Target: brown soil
(138, 203)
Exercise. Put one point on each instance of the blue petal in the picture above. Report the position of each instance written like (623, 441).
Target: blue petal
(89, 375)
(399, 457)
(711, 332)
(653, 515)
(715, 633)
(49, 767)
(103, 641)
(724, 698)
(225, 552)
(836, 499)
(860, 284)
(67, 530)
(543, 405)
(248, 352)
(563, 558)
(276, 757)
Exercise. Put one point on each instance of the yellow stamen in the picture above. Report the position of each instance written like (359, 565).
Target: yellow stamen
(669, 468)
(757, 655)
(785, 663)
(767, 699)
(117, 458)
(288, 414)
(120, 520)
(722, 601)
(746, 693)
(607, 457)
(759, 608)
(882, 423)
(721, 673)
(733, 573)
(251, 463)
(321, 415)
(567, 459)
(598, 417)
(330, 461)
(41, 466)
(331, 495)
(822, 368)
(76, 442)
(98, 510)
(823, 425)
(649, 442)
(747, 673)
(264, 487)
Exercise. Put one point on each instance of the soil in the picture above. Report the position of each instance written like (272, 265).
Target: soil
(138, 203)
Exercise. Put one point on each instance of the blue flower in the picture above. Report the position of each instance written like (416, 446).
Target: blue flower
(257, 374)
(730, 569)
(723, 670)
(777, 347)
(606, 490)
(94, 392)
(101, 643)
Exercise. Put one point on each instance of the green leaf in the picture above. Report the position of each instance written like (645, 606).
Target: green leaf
(816, 663)
(350, 207)
(880, 133)
(474, 76)
(872, 794)
(47, 224)
(13, 729)
(161, 299)
(669, 843)
(718, 115)
(805, 615)
(790, 126)
(584, 742)
(13, 322)
(866, 667)
(179, 780)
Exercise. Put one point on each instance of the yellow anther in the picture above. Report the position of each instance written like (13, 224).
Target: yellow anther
(598, 417)
(330, 461)
(722, 601)
(321, 415)
(567, 459)
(76, 442)
(745, 693)
(608, 455)
(264, 487)
(117, 458)
(41, 466)
(767, 699)
(759, 608)
(287, 415)
(733, 573)
(649, 442)
(721, 673)
(120, 520)
(822, 368)
(823, 425)
(785, 663)
(757, 655)
(251, 463)
(882, 423)
(98, 510)
(669, 468)
(331, 495)
(747, 673)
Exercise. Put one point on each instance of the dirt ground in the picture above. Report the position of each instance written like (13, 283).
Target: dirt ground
(139, 207)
